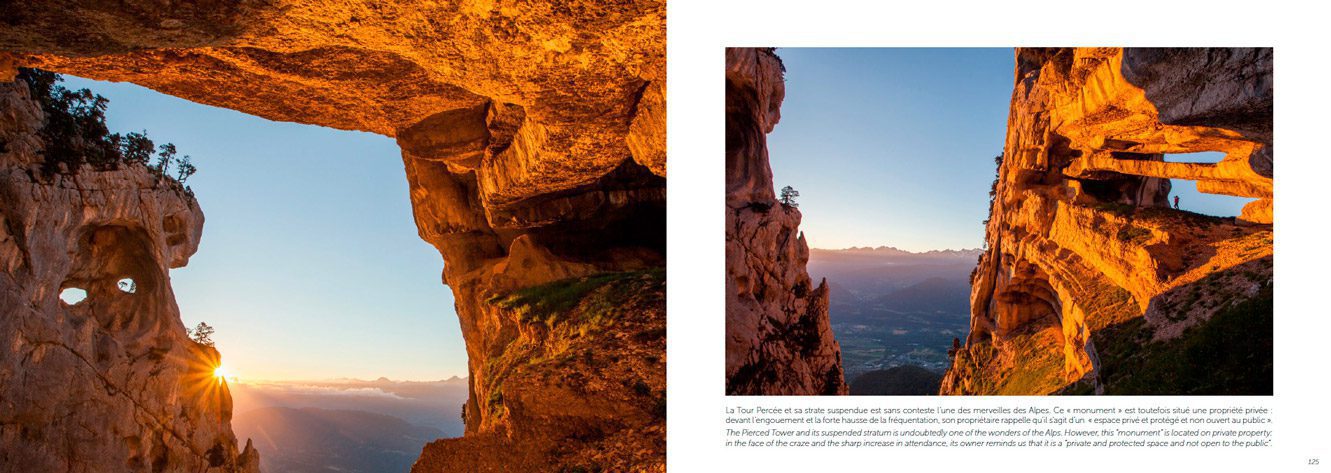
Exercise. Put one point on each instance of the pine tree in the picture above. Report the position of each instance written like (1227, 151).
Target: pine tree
(202, 334)
(184, 169)
(788, 195)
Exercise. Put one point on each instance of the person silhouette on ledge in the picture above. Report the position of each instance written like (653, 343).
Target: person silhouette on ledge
(1175, 202)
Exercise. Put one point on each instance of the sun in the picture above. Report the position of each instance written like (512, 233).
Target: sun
(222, 373)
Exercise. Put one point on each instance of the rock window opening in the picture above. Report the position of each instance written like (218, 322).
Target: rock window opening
(73, 295)
(1205, 157)
(126, 285)
(1118, 178)
(1124, 189)
(1191, 199)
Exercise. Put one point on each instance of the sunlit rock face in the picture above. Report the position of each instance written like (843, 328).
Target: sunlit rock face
(112, 382)
(550, 392)
(533, 139)
(1086, 263)
(572, 85)
(778, 335)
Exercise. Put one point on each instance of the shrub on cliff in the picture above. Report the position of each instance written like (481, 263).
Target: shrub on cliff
(993, 188)
(788, 195)
(75, 134)
(201, 334)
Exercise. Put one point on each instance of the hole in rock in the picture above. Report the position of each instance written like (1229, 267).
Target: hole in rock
(310, 267)
(1193, 200)
(1124, 189)
(1205, 157)
(73, 295)
(105, 259)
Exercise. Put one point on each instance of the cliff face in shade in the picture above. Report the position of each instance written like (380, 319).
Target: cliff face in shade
(1090, 281)
(532, 136)
(111, 383)
(778, 335)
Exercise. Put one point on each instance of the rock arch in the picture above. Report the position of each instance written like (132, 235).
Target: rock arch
(1080, 226)
(529, 134)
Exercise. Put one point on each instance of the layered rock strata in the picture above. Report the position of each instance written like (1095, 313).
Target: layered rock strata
(111, 382)
(1087, 267)
(778, 336)
(533, 138)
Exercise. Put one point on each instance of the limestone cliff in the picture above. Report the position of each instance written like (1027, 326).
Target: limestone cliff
(110, 383)
(1090, 281)
(778, 335)
(533, 139)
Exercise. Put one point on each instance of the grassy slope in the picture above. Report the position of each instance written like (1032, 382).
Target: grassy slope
(1231, 354)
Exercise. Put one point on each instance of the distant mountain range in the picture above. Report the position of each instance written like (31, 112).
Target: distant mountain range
(890, 251)
(346, 425)
(875, 275)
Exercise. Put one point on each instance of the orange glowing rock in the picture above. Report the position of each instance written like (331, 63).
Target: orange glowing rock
(1086, 263)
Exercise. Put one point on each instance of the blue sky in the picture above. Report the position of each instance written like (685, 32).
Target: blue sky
(1191, 200)
(895, 146)
(892, 146)
(310, 266)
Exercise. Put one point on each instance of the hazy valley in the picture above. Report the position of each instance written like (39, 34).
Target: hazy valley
(346, 425)
(893, 308)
